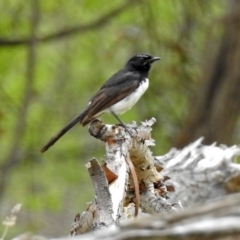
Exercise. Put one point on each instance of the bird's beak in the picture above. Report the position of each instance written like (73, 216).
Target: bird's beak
(154, 59)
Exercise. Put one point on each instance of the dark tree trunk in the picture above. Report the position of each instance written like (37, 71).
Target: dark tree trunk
(215, 111)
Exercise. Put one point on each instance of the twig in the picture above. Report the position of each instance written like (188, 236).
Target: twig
(136, 184)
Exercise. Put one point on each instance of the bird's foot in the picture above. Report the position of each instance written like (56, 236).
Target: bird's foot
(129, 129)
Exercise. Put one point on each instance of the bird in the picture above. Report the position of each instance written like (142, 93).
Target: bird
(116, 96)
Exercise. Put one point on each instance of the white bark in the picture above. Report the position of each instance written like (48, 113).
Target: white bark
(198, 177)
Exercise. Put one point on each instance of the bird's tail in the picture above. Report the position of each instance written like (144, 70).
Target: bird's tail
(54, 139)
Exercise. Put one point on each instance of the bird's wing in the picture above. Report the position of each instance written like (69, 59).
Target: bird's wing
(114, 90)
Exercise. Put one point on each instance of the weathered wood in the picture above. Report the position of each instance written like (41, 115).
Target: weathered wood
(129, 158)
(218, 220)
(199, 177)
(195, 174)
(201, 173)
(103, 213)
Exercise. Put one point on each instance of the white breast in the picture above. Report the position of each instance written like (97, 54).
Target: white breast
(127, 103)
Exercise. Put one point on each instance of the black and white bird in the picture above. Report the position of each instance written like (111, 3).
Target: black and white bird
(117, 95)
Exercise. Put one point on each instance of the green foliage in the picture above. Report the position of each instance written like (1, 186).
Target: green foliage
(69, 70)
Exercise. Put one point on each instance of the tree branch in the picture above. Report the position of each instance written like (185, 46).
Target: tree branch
(100, 22)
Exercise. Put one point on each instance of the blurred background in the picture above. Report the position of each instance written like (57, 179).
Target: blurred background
(55, 54)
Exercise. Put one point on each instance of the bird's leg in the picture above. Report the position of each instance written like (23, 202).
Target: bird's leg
(121, 122)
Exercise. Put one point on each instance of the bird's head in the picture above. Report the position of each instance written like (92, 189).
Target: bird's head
(141, 62)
